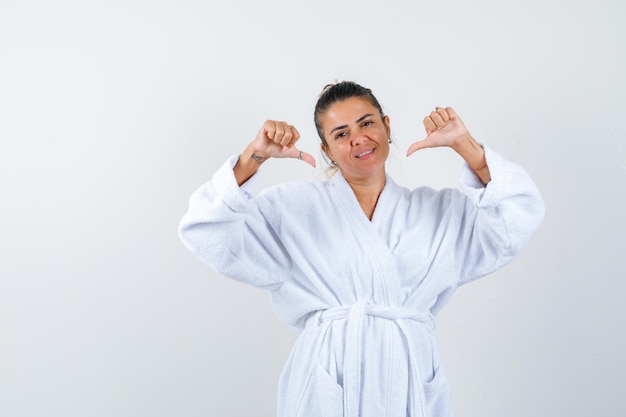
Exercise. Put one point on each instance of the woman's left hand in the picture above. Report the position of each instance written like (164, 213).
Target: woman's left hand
(443, 128)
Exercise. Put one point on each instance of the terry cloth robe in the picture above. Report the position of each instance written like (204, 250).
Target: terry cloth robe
(364, 293)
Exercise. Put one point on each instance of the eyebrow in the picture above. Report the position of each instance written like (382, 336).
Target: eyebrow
(360, 119)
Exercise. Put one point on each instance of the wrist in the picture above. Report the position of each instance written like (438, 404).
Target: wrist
(248, 163)
(474, 154)
(471, 151)
(251, 154)
(258, 157)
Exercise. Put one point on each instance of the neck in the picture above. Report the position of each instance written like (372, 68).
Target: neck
(367, 192)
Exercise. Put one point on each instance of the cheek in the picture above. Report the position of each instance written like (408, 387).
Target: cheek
(335, 151)
(343, 150)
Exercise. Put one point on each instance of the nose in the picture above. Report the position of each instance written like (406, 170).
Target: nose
(357, 138)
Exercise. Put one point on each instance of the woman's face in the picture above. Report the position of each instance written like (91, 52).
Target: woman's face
(357, 138)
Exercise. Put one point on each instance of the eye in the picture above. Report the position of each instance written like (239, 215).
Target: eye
(341, 135)
(367, 123)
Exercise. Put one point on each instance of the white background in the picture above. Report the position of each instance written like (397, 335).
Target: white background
(113, 112)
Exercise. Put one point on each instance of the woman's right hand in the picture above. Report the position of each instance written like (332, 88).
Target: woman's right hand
(277, 139)
(274, 140)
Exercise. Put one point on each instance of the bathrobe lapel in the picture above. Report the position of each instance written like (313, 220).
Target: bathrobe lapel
(371, 232)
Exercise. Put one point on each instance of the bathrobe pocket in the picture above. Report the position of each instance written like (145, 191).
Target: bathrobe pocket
(322, 397)
(437, 395)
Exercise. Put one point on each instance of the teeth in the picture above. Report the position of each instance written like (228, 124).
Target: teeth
(364, 153)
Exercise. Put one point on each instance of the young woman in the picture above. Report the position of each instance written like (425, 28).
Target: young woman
(359, 263)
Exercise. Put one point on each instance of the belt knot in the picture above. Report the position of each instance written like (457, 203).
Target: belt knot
(354, 333)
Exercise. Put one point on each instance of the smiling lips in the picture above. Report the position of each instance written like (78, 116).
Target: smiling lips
(364, 153)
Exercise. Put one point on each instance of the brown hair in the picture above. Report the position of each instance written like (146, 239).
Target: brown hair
(333, 93)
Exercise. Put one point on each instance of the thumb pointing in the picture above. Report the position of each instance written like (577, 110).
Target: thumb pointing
(421, 144)
(303, 156)
(308, 158)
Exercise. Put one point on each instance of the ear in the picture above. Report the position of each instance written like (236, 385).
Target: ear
(387, 125)
(327, 151)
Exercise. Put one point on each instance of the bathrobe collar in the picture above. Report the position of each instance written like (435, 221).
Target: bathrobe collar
(370, 231)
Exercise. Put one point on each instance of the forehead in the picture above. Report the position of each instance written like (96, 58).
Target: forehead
(347, 111)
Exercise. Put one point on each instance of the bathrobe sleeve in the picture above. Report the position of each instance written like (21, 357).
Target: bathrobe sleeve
(225, 229)
(498, 219)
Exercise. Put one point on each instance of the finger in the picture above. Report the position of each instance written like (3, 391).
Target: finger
(420, 144)
(451, 113)
(290, 135)
(293, 135)
(287, 139)
(443, 113)
(293, 152)
(436, 118)
(296, 134)
(280, 133)
(309, 159)
(429, 125)
(269, 126)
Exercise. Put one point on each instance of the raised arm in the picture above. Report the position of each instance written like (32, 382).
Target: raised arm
(224, 226)
(500, 207)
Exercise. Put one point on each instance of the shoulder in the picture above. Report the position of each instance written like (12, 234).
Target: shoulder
(424, 206)
(293, 188)
(291, 194)
(424, 195)
(295, 205)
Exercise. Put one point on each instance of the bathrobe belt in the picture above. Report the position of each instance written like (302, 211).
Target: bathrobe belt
(352, 359)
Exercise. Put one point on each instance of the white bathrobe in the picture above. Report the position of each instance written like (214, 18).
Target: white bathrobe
(364, 292)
